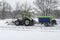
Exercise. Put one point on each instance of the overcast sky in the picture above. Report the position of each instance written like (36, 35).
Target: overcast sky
(13, 2)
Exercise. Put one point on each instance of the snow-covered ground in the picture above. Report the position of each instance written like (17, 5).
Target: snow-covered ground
(7, 25)
(36, 32)
(28, 35)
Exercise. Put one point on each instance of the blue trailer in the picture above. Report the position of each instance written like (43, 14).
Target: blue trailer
(46, 20)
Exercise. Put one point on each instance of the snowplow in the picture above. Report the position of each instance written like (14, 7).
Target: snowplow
(47, 20)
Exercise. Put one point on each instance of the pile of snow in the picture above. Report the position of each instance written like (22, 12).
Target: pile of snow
(6, 22)
(3, 22)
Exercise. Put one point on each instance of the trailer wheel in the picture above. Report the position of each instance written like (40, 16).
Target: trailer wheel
(46, 24)
(54, 22)
(17, 23)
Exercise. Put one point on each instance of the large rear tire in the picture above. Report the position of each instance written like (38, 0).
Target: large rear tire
(27, 22)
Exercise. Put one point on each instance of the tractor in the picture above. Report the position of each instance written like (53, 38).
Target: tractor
(25, 20)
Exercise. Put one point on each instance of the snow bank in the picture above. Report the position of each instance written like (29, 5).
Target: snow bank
(6, 22)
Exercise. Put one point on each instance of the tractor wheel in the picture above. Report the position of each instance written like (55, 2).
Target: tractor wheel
(17, 23)
(27, 22)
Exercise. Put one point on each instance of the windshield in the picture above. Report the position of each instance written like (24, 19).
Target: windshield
(18, 17)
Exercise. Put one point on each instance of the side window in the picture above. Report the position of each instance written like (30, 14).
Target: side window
(19, 16)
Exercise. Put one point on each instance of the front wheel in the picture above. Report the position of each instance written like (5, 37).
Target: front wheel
(17, 23)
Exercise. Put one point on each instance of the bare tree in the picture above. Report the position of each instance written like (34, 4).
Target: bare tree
(6, 8)
(25, 7)
(0, 9)
(17, 9)
(46, 5)
(17, 6)
(22, 8)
